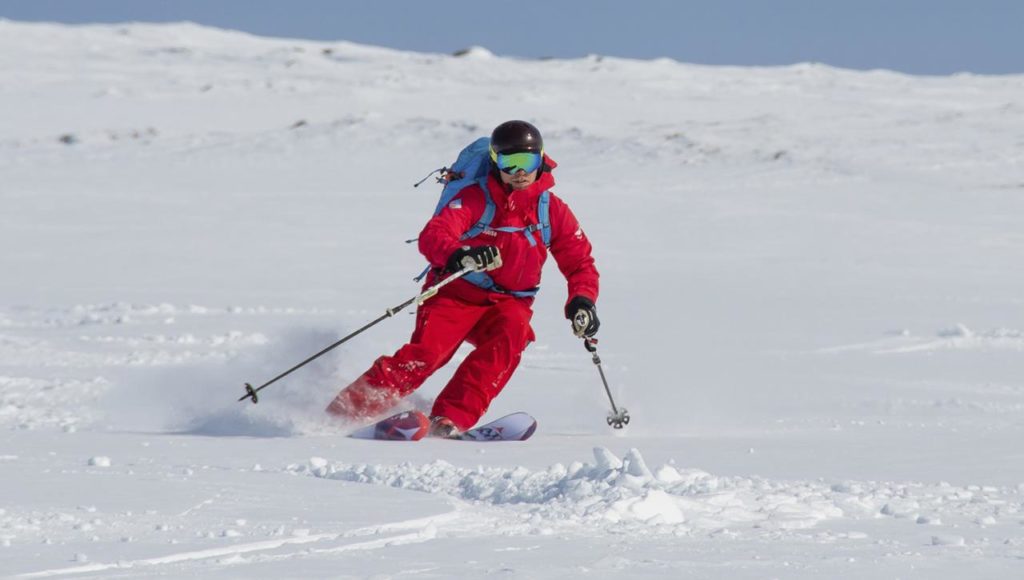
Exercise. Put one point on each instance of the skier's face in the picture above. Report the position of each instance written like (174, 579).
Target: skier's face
(518, 180)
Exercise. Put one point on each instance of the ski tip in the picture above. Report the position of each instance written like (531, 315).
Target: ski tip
(529, 431)
(406, 426)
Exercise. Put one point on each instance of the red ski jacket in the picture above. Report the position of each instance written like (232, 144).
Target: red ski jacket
(521, 262)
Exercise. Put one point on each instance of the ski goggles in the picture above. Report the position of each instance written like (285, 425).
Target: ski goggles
(511, 163)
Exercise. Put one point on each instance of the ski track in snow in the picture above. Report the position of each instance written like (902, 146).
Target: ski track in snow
(423, 529)
(956, 338)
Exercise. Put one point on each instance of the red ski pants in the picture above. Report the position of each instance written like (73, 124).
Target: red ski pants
(500, 333)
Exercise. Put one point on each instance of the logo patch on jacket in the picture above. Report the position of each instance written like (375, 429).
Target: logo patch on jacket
(455, 204)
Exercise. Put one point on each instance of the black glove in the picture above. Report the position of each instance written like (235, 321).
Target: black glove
(583, 314)
(485, 258)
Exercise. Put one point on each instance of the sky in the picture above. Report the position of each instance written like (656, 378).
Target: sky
(914, 36)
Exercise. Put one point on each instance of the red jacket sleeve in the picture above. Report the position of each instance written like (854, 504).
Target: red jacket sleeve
(440, 237)
(572, 251)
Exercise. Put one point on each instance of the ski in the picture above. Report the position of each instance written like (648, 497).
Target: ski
(414, 425)
(515, 427)
(404, 426)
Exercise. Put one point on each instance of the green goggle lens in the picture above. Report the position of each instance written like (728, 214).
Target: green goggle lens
(512, 162)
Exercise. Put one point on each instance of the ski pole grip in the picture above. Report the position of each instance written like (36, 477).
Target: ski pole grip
(580, 322)
(468, 263)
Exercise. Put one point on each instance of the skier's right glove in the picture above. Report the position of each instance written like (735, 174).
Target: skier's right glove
(583, 314)
(480, 257)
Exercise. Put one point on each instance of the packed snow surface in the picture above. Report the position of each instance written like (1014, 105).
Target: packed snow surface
(811, 304)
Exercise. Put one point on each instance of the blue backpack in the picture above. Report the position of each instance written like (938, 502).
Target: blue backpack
(471, 167)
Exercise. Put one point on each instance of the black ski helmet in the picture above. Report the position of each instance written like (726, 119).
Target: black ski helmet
(516, 137)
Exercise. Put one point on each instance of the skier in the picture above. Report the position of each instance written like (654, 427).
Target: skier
(494, 314)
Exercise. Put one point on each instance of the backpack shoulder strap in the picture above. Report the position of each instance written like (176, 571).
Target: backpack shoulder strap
(486, 217)
(543, 216)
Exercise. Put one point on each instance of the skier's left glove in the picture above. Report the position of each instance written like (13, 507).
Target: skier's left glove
(583, 314)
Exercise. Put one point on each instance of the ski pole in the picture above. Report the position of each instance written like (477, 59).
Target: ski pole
(250, 392)
(618, 417)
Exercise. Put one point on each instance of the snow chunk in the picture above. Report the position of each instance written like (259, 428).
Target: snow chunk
(318, 466)
(634, 465)
(99, 461)
(606, 459)
(667, 474)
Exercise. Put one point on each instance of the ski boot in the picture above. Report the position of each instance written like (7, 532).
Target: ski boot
(443, 427)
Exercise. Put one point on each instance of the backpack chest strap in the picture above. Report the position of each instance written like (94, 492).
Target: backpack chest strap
(543, 216)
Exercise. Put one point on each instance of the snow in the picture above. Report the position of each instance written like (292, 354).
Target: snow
(810, 305)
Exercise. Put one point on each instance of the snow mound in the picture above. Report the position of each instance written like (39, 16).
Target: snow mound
(609, 491)
(625, 495)
(474, 52)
